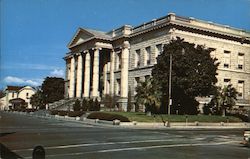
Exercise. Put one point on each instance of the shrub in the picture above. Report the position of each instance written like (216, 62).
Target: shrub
(107, 116)
(75, 113)
(110, 101)
(77, 105)
(206, 109)
(85, 105)
(53, 112)
(62, 112)
(129, 106)
(97, 106)
(91, 105)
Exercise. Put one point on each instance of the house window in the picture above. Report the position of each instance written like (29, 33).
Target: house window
(27, 95)
(240, 89)
(240, 61)
(226, 61)
(137, 58)
(13, 94)
(148, 55)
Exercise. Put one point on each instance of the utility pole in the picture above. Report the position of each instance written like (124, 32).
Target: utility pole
(170, 84)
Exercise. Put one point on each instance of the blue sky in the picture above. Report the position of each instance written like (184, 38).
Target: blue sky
(35, 33)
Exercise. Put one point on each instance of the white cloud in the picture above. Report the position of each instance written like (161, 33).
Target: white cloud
(57, 73)
(21, 81)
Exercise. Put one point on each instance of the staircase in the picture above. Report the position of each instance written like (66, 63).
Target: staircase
(63, 104)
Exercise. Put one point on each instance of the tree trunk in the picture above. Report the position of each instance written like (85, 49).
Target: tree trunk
(224, 112)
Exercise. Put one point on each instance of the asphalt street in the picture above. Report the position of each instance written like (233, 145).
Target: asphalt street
(19, 134)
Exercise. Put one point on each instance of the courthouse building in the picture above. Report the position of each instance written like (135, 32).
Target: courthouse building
(113, 62)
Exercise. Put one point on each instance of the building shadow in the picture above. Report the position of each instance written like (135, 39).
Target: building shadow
(7, 153)
(8, 133)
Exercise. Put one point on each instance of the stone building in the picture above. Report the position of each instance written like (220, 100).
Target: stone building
(113, 62)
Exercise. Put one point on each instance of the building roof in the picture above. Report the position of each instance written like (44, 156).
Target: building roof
(14, 88)
(98, 34)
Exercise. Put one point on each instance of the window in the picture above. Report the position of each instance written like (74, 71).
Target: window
(13, 94)
(147, 77)
(213, 54)
(240, 61)
(136, 81)
(227, 82)
(159, 50)
(27, 95)
(148, 55)
(240, 89)
(226, 61)
(118, 61)
(118, 86)
(137, 58)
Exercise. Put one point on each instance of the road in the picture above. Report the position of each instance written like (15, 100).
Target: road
(65, 139)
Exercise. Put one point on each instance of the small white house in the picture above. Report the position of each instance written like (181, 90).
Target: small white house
(16, 95)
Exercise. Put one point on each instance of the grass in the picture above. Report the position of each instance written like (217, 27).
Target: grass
(142, 117)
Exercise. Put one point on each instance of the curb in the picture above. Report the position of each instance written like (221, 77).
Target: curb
(143, 125)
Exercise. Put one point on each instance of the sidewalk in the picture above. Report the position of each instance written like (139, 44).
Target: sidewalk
(143, 125)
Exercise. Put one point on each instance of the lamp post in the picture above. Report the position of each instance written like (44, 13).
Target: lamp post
(170, 84)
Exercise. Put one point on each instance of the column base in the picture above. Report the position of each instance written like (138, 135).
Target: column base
(123, 104)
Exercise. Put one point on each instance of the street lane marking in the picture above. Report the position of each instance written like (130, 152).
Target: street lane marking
(165, 146)
(142, 148)
(96, 144)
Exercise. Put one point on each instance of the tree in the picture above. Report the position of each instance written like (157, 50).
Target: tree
(129, 106)
(37, 100)
(2, 94)
(53, 89)
(224, 99)
(77, 105)
(193, 74)
(148, 95)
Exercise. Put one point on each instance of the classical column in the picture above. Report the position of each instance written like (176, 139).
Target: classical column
(79, 77)
(124, 70)
(87, 75)
(95, 78)
(72, 78)
(112, 75)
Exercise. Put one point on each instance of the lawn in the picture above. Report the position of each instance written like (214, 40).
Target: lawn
(142, 117)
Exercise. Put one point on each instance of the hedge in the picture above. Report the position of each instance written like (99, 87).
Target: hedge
(69, 113)
(107, 116)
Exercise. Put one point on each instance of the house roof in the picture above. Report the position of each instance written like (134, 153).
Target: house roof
(14, 88)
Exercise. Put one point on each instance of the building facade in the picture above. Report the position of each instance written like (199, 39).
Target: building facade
(15, 95)
(113, 62)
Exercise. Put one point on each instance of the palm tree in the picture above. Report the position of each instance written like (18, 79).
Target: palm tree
(225, 98)
(148, 95)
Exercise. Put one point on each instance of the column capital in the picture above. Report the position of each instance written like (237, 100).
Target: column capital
(86, 51)
(126, 45)
(96, 48)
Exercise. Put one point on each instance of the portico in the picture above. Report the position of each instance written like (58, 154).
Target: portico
(91, 67)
